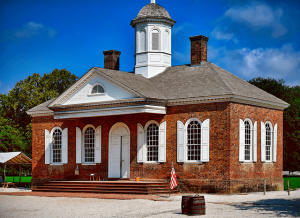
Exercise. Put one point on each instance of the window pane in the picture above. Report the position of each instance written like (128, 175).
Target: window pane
(268, 142)
(154, 41)
(89, 145)
(97, 89)
(152, 142)
(56, 146)
(247, 140)
(194, 141)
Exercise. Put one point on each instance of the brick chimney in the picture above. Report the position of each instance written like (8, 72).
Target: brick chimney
(198, 49)
(112, 59)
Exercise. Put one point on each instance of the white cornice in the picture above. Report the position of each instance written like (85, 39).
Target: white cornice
(238, 99)
(40, 113)
(111, 111)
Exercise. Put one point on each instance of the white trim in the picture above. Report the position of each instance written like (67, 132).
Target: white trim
(111, 111)
(251, 140)
(96, 94)
(51, 145)
(226, 98)
(271, 147)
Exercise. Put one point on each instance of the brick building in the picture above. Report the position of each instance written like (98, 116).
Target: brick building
(222, 133)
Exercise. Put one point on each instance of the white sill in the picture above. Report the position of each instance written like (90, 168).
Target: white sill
(247, 161)
(59, 164)
(269, 161)
(96, 94)
(151, 162)
(193, 163)
(88, 164)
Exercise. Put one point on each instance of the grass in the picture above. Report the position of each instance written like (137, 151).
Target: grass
(23, 178)
(294, 182)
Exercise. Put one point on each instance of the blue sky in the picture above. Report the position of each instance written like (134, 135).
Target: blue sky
(247, 38)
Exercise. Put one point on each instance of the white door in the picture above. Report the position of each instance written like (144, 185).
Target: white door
(119, 152)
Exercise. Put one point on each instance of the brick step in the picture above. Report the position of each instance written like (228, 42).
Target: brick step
(120, 187)
(105, 185)
(102, 188)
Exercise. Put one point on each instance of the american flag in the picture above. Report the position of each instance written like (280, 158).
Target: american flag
(173, 178)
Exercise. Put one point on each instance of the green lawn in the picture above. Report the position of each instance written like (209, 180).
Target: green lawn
(23, 178)
(294, 182)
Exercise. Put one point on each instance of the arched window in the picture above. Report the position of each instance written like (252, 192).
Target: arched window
(97, 89)
(248, 140)
(194, 141)
(89, 145)
(268, 142)
(152, 142)
(155, 40)
(57, 146)
(142, 41)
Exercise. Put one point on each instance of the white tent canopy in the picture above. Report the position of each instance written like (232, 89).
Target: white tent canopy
(14, 158)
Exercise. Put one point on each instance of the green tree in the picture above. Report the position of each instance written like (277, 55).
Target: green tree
(291, 118)
(16, 131)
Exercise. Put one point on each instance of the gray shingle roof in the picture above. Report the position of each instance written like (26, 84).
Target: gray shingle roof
(153, 10)
(42, 107)
(135, 82)
(181, 82)
(206, 80)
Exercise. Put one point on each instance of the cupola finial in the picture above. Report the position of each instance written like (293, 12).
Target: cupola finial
(152, 1)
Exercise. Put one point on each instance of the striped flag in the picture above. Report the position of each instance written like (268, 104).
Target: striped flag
(173, 178)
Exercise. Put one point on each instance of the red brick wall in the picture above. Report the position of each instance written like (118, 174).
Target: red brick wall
(223, 173)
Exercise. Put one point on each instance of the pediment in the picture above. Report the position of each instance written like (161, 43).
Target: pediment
(81, 91)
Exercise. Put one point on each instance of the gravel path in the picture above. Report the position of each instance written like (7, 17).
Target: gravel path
(274, 204)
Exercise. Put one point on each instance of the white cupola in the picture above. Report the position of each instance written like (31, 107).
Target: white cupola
(153, 26)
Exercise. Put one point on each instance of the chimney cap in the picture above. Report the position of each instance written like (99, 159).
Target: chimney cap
(111, 52)
(199, 37)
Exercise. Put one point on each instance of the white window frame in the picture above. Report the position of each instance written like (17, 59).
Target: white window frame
(272, 141)
(140, 39)
(145, 138)
(159, 39)
(82, 145)
(51, 149)
(251, 141)
(95, 94)
(186, 140)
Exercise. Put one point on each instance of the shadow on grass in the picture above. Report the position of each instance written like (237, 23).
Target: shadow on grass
(281, 207)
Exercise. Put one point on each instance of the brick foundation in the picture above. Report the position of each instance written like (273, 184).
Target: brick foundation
(223, 173)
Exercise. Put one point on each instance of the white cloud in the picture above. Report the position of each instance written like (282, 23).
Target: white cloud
(28, 30)
(259, 15)
(219, 34)
(264, 62)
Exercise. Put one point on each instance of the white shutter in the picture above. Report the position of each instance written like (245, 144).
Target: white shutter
(263, 142)
(78, 145)
(64, 148)
(255, 142)
(205, 141)
(242, 141)
(140, 143)
(162, 142)
(98, 145)
(47, 147)
(180, 142)
(275, 144)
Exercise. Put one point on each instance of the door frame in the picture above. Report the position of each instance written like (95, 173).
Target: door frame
(119, 124)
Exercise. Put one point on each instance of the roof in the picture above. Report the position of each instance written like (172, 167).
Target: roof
(183, 82)
(153, 10)
(42, 107)
(187, 81)
(14, 158)
(135, 82)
